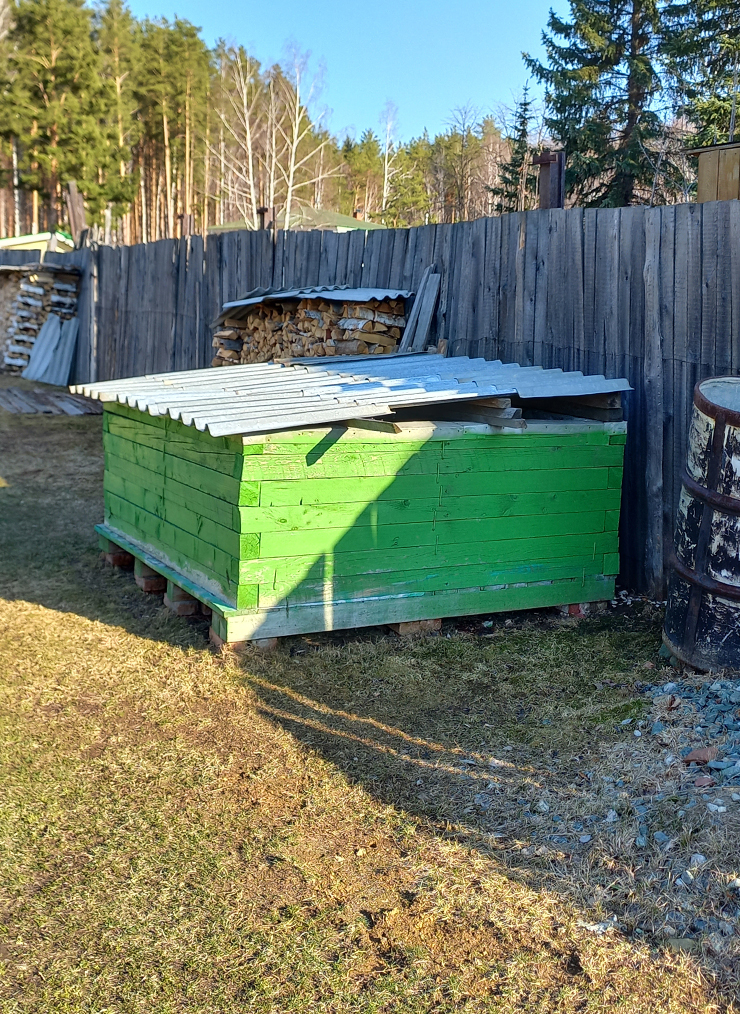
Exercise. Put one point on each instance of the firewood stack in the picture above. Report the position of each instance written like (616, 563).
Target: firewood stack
(28, 295)
(310, 327)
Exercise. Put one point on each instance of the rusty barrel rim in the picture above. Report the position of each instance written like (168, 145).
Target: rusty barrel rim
(712, 408)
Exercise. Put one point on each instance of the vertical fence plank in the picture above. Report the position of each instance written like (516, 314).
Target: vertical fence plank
(575, 242)
(444, 237)
(723, 282)
(667, 309)
(590, 343)
(528, 301)
(355, 257)
(491, 281)
(542, 268)
(708, 335)
(371, 261)
(556, 329)
(507, 287)
(461, 322)
(398, 256)
(385, 256)
(328, 262)
(653, 384)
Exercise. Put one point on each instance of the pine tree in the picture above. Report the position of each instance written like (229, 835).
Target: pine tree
(54, 103)
(364, 175)
(601, 79)
(170, 89)
(116, 38)
(517, 184)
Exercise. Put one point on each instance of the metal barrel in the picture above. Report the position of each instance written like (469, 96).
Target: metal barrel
(702, 624)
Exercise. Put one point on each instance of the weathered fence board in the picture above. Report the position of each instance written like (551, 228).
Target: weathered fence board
(651, 294)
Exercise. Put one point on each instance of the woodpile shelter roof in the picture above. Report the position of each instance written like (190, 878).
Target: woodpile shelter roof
(264, 397)
(239, 308)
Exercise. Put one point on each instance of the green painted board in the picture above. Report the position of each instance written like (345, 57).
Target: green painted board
(274, 570)
(220, 568)
(189, 473)
(383, 537)
(292, 492)
(227, 460)
(220, 511)
(165, 506)
(382, 512)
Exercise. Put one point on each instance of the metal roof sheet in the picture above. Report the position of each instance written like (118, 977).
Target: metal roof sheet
(264, 397)
(239, 308)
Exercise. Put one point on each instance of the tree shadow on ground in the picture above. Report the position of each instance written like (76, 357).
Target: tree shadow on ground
(512, 744)
(509, 743)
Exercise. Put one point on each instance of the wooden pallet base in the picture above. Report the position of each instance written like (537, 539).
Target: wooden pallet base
(408, 613)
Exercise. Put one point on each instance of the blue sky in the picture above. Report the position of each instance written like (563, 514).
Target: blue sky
(425, 58)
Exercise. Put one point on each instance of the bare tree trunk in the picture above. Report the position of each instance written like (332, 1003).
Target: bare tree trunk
(16, 191)
(158, 208)
(389, 114)
(293, 142)
(142, 191)
(188, 197)
(169, 210)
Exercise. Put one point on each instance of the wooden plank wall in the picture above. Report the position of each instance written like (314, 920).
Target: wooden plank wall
(650, 294)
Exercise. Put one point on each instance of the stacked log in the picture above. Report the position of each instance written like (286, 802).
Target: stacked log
(27, 297)
(310, 327)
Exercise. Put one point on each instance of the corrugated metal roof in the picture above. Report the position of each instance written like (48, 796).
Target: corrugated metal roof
(239, 308)
(263, 397)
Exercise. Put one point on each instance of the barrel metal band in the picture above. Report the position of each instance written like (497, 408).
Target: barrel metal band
(719, 501)
(703, 581)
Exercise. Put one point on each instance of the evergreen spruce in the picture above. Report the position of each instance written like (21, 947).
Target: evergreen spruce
(602, 75)
(517, 185)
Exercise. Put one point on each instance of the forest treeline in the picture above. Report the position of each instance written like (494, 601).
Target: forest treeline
(163, 135)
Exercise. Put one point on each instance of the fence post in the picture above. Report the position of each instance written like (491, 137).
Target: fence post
(653, 379)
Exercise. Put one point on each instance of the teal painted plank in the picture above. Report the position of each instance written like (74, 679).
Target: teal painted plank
(318, 587)
(302, 619)
(156, 561)
(180, 562)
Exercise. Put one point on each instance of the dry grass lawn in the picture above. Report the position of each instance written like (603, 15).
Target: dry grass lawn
(337, 827)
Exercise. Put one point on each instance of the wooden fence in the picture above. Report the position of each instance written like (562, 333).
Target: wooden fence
(649, 294)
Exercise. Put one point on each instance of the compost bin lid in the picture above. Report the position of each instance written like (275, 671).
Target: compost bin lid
(264, 397)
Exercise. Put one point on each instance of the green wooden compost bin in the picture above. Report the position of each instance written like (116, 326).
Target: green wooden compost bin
(341, 526)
